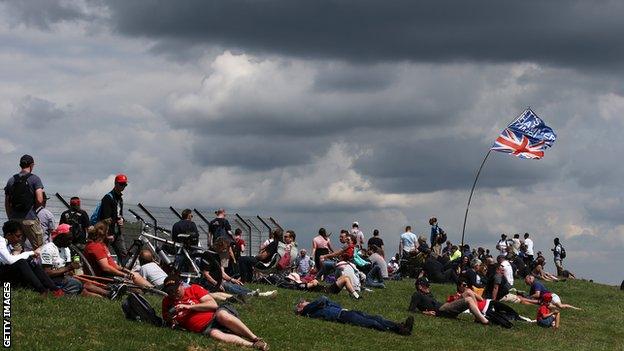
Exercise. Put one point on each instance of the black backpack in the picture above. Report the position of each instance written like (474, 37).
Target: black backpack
(498, 318)
(135, 307)
(22, 196)
(563, 252)
(218, 230)
(78, 232)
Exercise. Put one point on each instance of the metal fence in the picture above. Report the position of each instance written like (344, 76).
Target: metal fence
(255, 229)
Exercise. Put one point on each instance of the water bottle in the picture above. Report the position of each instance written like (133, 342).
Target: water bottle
(77, 271)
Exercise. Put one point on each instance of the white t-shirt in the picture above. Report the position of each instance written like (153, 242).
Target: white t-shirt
(529, 246)
(358, 235)
(153, 273)
(502, 246)
(516, 245)
(347, 269)
(409, 239)
(51, 255)
(508, 271)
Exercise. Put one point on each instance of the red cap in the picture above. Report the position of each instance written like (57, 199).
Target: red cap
(121, 178)
(547, 297)
(61, 229)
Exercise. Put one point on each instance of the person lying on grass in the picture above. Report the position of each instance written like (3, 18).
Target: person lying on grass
(486, 306)
(548, 316)
(96, 252)
(56, 262)
(192, 308)
(424, 301)
(541, 273)
(326, 309)
(537, 290)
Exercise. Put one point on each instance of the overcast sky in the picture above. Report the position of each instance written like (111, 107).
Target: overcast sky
(320, 113)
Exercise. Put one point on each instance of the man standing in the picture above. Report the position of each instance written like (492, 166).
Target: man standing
(529, 247)
(78, 219)
(22, 194)
(559, 254)
(502, 244)
(46, 218)
(185, 226)
(220, 227)
(111, 206)
(407, 244)
(375, 240)
(359, 235)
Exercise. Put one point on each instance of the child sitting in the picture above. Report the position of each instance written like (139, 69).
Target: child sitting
(547, 317)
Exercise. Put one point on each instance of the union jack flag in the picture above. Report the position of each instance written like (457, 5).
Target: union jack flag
(526, 137)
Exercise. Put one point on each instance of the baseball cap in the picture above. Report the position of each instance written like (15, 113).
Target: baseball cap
(61, 229)
(422, 281)
(26, 161)
(547, 297)
(171, 283)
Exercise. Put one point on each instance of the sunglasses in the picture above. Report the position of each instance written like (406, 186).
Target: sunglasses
(123, 184)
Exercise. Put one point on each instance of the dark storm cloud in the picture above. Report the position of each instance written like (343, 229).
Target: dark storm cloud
(572, 33)
(36, 112)
(257, 153)
(418, 165)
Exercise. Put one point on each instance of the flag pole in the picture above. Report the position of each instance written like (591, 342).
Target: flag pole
(472, 191)
(475, 184)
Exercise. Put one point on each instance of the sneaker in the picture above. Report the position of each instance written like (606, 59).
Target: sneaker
(368, 290)
(254, 293)
(241, 299)
(271, 293)
(117, 290)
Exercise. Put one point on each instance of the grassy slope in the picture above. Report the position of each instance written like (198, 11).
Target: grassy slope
(79, 324)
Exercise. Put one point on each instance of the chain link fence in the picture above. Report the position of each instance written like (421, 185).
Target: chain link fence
(255, 229)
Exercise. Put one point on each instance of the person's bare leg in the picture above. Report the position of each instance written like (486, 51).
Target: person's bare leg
(229, 338)
(474, 309)
(220, 296)
(235, 325)
(565, 305)
(557, 320)
(93, 290)
(139, 280)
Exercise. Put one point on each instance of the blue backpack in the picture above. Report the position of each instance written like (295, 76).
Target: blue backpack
(95, 216)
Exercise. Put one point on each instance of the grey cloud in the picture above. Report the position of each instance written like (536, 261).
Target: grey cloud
(36, 112)
(421, 165)
(570, 33)
(43, 13)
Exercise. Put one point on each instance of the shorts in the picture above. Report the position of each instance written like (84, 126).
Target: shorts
(333, 289)
(546, 322)
(216, 325)
(33, 232)
(510, 298)
(454, 308)
(555, 299)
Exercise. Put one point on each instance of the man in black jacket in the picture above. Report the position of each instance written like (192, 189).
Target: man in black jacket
(112, 207)
(78, 219)
(185, 226)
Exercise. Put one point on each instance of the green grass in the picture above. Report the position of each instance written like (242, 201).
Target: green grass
(90, 324)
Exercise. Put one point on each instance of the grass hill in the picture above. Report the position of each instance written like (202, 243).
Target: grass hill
(90, 324)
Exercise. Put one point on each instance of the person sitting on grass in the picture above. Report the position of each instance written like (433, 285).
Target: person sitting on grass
(192, 308)
(18, 267)
(345, 254)
(326, 309)
(498, 287)
(345, 281)
(150, 270)
(547, 316)
(538, 290)
(246, 263)
(96, 252)
(540, 272)
(424, 301)
(434, 270)
(56, 260)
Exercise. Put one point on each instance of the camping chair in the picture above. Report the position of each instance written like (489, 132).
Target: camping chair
(263, 269)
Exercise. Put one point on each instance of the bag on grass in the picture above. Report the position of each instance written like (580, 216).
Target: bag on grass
(498, 318)
(137, 308)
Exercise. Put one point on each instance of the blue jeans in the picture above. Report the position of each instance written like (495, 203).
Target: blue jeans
(362, 319)
(374, 278)
(327, 267)
(235, 289)
(70, 286)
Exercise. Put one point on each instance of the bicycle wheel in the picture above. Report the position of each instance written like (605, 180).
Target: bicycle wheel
(86, 266)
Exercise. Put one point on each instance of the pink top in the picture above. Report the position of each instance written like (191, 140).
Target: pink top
(320, 242)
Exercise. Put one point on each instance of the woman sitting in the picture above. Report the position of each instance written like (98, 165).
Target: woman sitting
(96, 252)
(247, 263)
(540, 273)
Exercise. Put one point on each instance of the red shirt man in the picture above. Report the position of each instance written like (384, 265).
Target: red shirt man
(194, 321)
